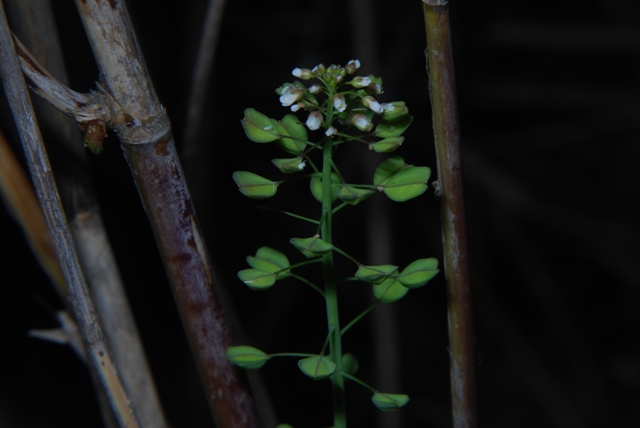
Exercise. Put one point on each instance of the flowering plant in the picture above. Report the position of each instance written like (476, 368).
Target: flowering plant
(347, 110)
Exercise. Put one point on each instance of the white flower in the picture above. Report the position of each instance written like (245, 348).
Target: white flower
(361, 82)
(339, 103)
(296, 107)
(388, 106)
(301, 165)
(362, 122)
(331, 131)
(314, 121)
(372, 104)
(290, 96)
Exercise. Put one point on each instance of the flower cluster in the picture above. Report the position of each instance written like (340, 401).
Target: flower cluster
(335, 96)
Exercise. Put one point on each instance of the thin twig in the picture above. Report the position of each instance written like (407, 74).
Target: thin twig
(447, 139)
(147, 142)
(18, 97)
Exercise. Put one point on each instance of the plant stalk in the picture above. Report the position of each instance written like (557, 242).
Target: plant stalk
(147, 142)
(330, 284)
(456, 263)
(40, 168)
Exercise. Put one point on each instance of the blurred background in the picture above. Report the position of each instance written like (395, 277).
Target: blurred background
(549, 107)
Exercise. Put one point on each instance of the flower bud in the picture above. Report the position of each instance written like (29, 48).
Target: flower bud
(331, 131)
(302, 73)
(319, 69)
(373, 104)
(362, 122)
(315, 89)
(297, 106)
(339, 103)
(361, 82)
(352, 66)
(290, 95)
(314, 121)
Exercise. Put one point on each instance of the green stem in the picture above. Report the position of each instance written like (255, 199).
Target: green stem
(358, 318)
(331, 291)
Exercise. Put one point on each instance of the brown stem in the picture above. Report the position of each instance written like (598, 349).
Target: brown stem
(447, 139)
(145, 133)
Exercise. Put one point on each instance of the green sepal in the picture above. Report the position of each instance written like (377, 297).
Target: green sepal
(289, 165)
(317, 368)
(353, 195)
(257, 279)
(258, 127)
(393, 128)
(389, 291)
(386, 170)
(316, 187)
(375, 274)
(389, 402)
(399, 110)
(254, 186)
(270, 260)
(387, 145)
(349, 364)
(311, 247)
(419, 273)
(407, 183)
(247, 357)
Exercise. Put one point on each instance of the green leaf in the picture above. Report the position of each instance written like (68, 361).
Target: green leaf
(254, 186)
(375, 274)
(389, 402)
(269, 260)
(316, 187)
(399, 110)
(353, 195)
(349, 364)
(258, 127)
(387, 145)
(247, 357)
(389, 291)
(408, 183)
(289, 165)
(419, 273)
(393, 128)
(257, 279)
(387, 169)
(317, 368)
(311, 247)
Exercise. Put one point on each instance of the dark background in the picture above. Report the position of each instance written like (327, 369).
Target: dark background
(549, 116)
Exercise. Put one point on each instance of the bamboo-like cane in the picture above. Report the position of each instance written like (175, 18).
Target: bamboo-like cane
(20, 103)
(33, 22)
(144, 130)
(456, 265)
